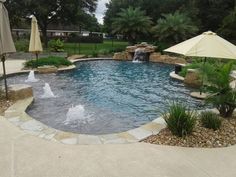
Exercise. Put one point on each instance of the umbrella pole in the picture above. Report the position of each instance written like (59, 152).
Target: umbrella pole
(4, 75)
(202, 77)
(37, 57)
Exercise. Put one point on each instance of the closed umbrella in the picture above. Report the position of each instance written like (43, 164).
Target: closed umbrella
(6, 41)
(35, 45)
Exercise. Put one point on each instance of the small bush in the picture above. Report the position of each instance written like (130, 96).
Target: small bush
(180, 120)
(210, 120)
(94, 54)
(56, 45)
(22, 45)
(55, 61)
(104, 52)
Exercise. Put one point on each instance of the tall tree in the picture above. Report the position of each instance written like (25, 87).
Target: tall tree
(131, 22)
(53, 11)
(174, 28)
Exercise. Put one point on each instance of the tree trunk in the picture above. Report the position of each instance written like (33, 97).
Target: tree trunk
(45, 37)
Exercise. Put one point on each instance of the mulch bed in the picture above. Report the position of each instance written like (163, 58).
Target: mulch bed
(4, 104)
(201, 137)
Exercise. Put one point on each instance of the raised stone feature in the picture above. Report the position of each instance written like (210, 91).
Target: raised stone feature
(141, 52)
(192, 78)
(157, 57)
(47, 69)
(20, 91)
(146, 47)
(122, 56)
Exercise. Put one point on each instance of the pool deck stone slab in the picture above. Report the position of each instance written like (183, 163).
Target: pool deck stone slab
(16, 115)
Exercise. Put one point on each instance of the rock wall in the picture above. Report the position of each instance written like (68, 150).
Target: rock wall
(20, 91)
(157, 57)
(122, 56)
(154, 57)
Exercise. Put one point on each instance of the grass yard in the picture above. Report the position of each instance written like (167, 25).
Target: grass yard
(91, 49)
(84, 48)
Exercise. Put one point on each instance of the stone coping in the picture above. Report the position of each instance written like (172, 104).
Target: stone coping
(16, 115)
(176, 76)
(198, 95)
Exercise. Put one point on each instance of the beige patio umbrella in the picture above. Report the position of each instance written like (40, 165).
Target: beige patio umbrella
(208, 45)
(35, 45)
(6, 41)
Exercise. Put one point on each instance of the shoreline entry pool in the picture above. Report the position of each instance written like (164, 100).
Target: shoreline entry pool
(103, 97)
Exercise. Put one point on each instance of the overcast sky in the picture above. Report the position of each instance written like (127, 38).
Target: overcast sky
(101, 8)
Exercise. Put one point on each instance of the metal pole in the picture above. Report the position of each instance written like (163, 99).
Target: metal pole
(37, 57)
(201, 90)
(4, 75)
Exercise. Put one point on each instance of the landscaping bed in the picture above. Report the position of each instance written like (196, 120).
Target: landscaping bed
(200, 137)
(4, 105)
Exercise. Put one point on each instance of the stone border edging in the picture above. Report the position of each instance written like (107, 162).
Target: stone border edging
(16, 115)
(176, 76)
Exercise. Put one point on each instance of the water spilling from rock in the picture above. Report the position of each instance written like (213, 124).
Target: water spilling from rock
(140, 55)
(31, 77)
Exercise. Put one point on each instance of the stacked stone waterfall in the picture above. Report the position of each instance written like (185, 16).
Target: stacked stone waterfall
(141, 52)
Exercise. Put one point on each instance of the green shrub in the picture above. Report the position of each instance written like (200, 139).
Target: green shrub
(104, 52)
(94, 54)
(55, 61)
(180, 120)
(210, 120)
(56, 45)
(22, 45)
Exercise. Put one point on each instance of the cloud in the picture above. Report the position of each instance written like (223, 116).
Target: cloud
(101, 8)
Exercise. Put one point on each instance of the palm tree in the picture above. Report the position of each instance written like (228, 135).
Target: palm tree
(223, 97)
(131, 23)
(174, 28)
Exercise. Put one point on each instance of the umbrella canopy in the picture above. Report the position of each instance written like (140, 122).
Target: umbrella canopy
(6, 41)
(35, 45)
(208, 45)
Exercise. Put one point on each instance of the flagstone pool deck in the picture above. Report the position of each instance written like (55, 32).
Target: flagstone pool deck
(25, 155)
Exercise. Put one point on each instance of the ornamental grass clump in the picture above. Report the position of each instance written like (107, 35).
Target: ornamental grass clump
(210, 120)
(180, 120)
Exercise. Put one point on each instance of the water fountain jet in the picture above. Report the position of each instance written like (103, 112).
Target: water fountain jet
(48, 92)
(31, 77)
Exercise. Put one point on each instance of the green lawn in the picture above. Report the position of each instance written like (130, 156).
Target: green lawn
(90, 49)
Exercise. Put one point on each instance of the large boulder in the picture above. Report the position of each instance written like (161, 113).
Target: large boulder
(123, 56)
(20, 91)
(193, 79)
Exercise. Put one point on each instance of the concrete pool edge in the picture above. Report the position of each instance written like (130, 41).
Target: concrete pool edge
(16, 115)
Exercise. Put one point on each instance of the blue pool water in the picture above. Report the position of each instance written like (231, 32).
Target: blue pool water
(107, 96)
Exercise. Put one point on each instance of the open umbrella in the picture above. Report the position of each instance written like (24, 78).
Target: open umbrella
(6, 41)
(208, 45)
(35, 45)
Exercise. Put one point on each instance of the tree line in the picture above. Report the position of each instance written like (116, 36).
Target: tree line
(170, 20)
(49, 12)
